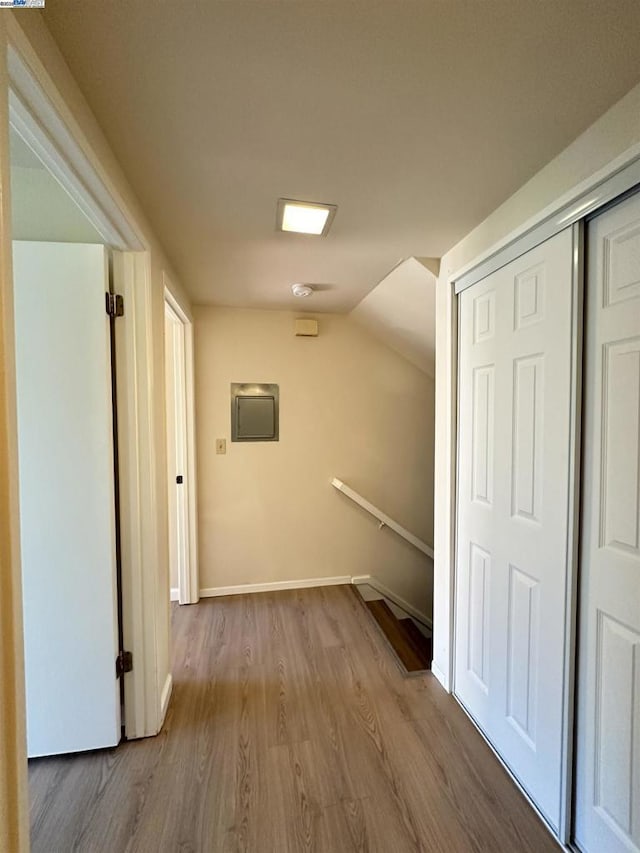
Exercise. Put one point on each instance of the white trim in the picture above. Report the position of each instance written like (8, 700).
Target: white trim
(189, 584)
(165, 698)
(241, 589)
(439, 674)
(40, 117)
(382, 517)
(139, 507)
(174, 594)
(372, 581)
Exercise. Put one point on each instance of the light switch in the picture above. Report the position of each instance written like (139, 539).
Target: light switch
(221, 445)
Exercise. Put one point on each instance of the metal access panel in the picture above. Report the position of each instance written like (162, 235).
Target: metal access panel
(254, 411)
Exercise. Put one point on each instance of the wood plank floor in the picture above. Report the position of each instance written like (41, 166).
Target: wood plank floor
(290, 729)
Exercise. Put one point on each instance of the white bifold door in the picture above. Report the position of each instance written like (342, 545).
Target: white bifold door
(608, 718)
(66, 481)
(513, 493)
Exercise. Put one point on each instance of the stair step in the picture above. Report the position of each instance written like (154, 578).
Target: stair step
(423, 645)
(410, 645)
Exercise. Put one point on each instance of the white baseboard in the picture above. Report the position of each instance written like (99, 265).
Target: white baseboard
(372, 581)
(439, 674)
(214, 591)
(165, 696)
(174, 594)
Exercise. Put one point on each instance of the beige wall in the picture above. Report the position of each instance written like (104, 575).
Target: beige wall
(606, 145)
(351, 408)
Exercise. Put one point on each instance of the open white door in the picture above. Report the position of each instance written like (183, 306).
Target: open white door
(608, 722)
(178, 349)
(67, 509)
(513, 491)
(175, 395)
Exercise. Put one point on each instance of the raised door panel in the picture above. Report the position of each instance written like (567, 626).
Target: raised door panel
(620, 496)
(617, 728)
(523, 653)
(483, 437)
(478, 619)
(621, 263)
(526, 468)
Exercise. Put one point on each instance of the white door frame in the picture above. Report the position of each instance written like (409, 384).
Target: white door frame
(42, 118)
(188, 579)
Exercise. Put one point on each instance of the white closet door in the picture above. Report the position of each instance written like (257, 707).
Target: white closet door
(65, 447)
(513, 482)
(608, 722)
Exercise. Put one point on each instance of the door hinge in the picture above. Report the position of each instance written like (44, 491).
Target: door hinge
(124, 663)
(115, 304)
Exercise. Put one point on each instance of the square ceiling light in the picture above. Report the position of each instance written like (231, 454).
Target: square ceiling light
(305, 217)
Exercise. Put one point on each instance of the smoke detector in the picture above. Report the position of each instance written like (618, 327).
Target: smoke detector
(301, 290)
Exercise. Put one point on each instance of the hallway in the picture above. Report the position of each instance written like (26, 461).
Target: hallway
(290, 729)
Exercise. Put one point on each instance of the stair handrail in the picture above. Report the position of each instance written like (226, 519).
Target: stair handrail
(383, 518)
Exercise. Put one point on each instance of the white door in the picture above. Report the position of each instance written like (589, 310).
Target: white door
(513, 486)
(608, 720)
(66, 481)
(176, 408)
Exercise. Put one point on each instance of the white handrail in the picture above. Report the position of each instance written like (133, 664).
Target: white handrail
(384, 519)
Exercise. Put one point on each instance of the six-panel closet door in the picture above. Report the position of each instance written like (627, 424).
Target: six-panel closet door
(513, 492)
(608, 707)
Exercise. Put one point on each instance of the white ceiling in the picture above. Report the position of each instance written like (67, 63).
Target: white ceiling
(416, 118)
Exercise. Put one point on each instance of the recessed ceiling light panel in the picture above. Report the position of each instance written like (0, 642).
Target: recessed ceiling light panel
(305, 217)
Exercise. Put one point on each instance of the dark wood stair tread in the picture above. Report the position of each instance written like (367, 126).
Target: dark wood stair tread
(410, 645)
(423, 645)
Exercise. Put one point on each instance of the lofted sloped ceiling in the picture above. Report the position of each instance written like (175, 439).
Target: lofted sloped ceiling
(416, 118)
(400, 311)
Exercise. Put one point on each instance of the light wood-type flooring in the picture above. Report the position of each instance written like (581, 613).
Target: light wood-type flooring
(291, 729)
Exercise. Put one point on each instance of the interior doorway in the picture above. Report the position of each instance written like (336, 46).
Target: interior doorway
(66, 454)
(181, 494)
